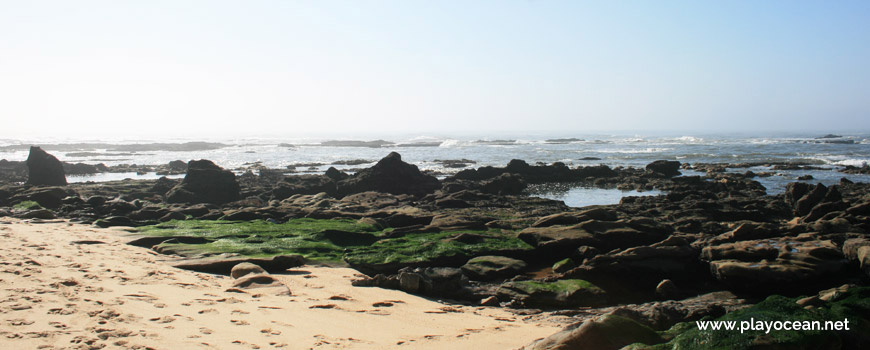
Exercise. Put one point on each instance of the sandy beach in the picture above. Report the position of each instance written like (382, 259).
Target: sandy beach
(73, 286)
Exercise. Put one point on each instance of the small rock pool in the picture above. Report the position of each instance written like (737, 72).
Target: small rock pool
(580, 196)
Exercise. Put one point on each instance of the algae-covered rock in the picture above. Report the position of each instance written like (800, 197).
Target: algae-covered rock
(560, 293)
(490, 267)
(852, 304)
(564, 265)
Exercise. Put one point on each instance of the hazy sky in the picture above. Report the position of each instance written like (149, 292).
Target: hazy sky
(185, 67)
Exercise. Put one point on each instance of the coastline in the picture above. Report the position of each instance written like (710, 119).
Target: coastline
(76, 286)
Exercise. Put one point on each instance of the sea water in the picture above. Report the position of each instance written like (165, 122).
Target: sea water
(301, 155)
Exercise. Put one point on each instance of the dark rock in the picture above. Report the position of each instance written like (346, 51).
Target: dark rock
(805, 204)
(48, 197)
(82, 168)
(486, 268)
(205, 182)
(164, 184)
(305, 185)
(177, 166)
(504, 184)
(347, 239)
(564, 265)
(44, 169)
(390, 175)
(335, 174)
(666, 168)
(668, 289)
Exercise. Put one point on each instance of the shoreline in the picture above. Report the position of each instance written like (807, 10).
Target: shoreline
(71, 285)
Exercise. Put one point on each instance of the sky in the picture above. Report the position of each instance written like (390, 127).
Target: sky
(199, 68)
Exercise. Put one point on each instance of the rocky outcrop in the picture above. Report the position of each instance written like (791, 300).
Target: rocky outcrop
(666, 168)
(608, 332)
(390, 175)
(775, 265)
(554, 294)
(224, 264)
(205, 182)
(44, 169)
(486, 268)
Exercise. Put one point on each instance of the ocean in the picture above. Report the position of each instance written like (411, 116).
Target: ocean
(310, 155)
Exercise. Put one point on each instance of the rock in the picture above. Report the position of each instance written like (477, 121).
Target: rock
(564, 265)
(82, 168)
(112, 221)
(48, 197)
(224, 264)
(668, 289)
(599, 234)
(303, 184)
(205, 182)
(44, 214)
(571, 218)
(262, 284)
(806, 203)
(433, 281)
(246, 268)
(44, 169)
(504, 184)
(608, 332)
(489, 301)
(450, 222)
(641, 268)
(336, 174)
(164, 184)
(557, 294)
(485, 268)
(771, 266)
(172, 215)
(177, 166)
(863, 258)
(346, 239)
(390, 175)
(666, 168)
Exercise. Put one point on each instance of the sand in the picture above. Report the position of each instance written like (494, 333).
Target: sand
(66, 285)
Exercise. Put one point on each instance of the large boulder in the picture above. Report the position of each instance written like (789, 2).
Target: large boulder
(205, 182)
(775, 265)
(44, 169)
(390, 175)
(484, 268)
(556, 294)
(596, 233)
(666, 168)
(608, 332)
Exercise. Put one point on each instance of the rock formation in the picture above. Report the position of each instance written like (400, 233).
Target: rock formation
(44, 169)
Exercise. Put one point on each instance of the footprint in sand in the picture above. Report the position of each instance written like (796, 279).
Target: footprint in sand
(208, 311)
(164, 319)
(20, 322)
(240, 322)
(270, 331)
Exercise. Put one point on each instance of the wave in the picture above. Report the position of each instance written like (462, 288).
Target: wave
(630, 151)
